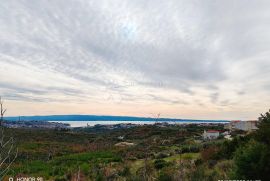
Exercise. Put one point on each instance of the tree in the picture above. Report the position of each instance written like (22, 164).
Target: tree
(252, 161)
(160, 163)
(263, 132)
(165, 177)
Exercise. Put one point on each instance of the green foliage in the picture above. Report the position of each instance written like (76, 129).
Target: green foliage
(263, 133)
(252, 161)
(84, 157)
(165, 177)
(125, 172)
(85, 167)
(199, 174)
(210, 153)
(228, 147)
(204, 173)
(37, 167)
(60, 167)
(162, 155)
(100, 177)
(190, 148)
(61, 155)
(160, 163)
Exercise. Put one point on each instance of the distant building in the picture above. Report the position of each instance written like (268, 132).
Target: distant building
(225, 133)
(121, 137)
(228, 137)
(242, 125)
(124, 144)
(210, 134)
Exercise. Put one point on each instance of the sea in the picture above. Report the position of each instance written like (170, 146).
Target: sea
(93, 123)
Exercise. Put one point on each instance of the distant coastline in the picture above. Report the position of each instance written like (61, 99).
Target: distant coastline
(95, 118)
(93, 123)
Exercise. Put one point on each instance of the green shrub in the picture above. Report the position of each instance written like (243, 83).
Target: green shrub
(160, 163)
(162, 155)
(85, 167)
(199, 174)
(252, 161)
(125, 172)
(263, 133)
(165, 177)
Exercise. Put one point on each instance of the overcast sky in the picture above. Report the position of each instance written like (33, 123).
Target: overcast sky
(181, 58)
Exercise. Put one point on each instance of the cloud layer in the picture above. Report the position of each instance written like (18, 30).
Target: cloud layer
(183, 58)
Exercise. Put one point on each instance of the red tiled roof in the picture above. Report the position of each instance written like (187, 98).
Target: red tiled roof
(212, 131)
(252, 121)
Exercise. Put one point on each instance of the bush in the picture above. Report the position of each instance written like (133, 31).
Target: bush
(210, 153)
(162, 155)
(190, 149)
(125, 172)
(165, 177)
(263, 133)
(252, 161)
(198, 174)
(160, 163)
(228, 147)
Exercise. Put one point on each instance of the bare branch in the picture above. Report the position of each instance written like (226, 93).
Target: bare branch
(10, 163)
(10, 139)
(4, 111)
(7, 147)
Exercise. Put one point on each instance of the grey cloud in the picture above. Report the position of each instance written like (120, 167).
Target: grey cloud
(19, 89)
(166, 100)
(224, 103)
(214, 97)
(181, 44)
(27, 98)
(17, 92)
(181, 60)
(241, 93)
(41, 90)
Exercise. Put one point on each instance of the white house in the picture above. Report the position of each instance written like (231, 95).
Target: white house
(242, 125)
(210, 134)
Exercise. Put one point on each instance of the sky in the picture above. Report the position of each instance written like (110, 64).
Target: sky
(179, 58)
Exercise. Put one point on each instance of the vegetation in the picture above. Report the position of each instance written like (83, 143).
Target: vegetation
(171, 152)
(8, 152)
(252, 160)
